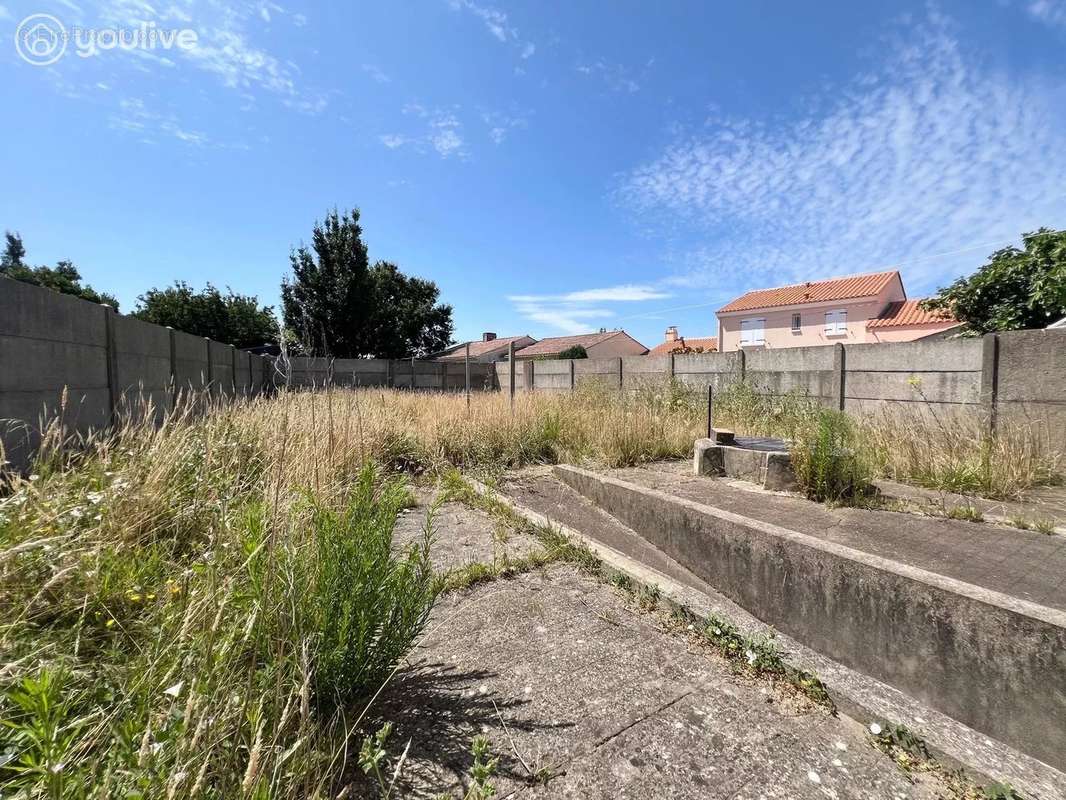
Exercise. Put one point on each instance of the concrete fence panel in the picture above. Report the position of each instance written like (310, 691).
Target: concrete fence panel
(221, 368)
(1031, 381)
(700, 370)
(49, 342)
(552, 376)
(807, 370)
(603, 371)
(142, 367)
(192, 371)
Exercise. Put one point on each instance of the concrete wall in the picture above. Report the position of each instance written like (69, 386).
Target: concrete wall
(813, 371)
(395, 373)
(107, 365)
(1030, 380)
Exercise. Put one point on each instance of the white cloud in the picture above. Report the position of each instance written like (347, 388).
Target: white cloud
(496, 23)
(134, 117)
(4, 13)
(931, 151)
(376, 73)
(500, 124)
(442, 132)
(1049, 12)
(299, 20)
(528, 49)
(617, 77)
(571, 312)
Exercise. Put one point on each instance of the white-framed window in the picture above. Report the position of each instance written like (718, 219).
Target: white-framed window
(753, 331)
(836, 323)
(797, 323)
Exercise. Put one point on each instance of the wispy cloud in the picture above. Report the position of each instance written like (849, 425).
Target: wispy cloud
(376, 73)
(442, 132)
(927, 152)
(617, 77)
(1049, 12)
(133, 116)
(4, 13)
(496, 23)
(572, 312)
(501, 124)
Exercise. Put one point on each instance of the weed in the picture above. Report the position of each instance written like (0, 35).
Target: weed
(1044, 526)
(966, 512)
(1021, 522)
(827, 462)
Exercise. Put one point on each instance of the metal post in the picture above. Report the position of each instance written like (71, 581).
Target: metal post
(710, 411)
(510, 366)
(468, 376)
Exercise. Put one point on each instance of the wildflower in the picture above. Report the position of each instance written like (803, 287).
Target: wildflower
(813, 776)
(175, 690)
(110, 623)
(750, 655)
(875, 729)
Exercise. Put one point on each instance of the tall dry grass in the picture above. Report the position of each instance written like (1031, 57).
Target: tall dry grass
(204, 609)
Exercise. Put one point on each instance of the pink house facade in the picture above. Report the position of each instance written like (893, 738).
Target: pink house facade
(850, 310)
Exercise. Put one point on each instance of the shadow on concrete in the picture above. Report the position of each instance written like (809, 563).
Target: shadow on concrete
(440, 709)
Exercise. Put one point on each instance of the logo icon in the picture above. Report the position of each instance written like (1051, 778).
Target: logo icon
(41, 39)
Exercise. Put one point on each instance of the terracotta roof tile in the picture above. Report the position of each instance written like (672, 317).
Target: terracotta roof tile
(707, 344)
(556, 344)
(908, 312)
(478, 348)
(847, 288)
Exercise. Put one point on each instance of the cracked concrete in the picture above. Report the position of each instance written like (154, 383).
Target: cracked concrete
(583, 694)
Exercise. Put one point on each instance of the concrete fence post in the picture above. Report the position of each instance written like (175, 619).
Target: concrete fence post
(572, 375)
(528, 375)
(510, 367)
(990, 378)
(210, 376)
(412, 373)
(742, 358)
(671, 357)
(112, 361)
(233, 367)
(619, 373)
(390, 374)
(839, 375)
(173, 368)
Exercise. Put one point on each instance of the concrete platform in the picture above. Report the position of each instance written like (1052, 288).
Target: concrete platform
(994, 661)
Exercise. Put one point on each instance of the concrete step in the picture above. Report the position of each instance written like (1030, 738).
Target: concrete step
(874, 631)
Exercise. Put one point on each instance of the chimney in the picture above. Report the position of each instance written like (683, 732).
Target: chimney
(671, 333)
(488, 336)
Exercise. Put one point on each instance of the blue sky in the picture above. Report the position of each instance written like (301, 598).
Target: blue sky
(554, 166)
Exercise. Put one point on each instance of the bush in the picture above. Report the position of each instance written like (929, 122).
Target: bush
(577, 351)
(367, 605)
(826, 459)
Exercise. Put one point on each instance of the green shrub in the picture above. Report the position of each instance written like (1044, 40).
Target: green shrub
(367, 605)
(577, 351)
(827, 462)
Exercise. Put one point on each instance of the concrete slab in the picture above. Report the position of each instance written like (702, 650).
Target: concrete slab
(990, 660)
(1025, 564)
(461, 535)
(566, 676)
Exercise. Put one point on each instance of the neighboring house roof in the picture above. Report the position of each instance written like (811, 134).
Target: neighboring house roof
(479, 348)
(909, 312)
(847, 288)
(554, 345)
(707, 344)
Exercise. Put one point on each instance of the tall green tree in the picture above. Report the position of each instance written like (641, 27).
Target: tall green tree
(63, 277)
(1015, 289)
(335, 303)
(231, 318)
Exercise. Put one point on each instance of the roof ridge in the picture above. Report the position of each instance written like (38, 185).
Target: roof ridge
(822, 280)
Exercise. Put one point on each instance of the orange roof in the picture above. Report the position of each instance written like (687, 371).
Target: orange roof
(848, 288)
(554, 345)
(707, 344)
(908, 312)
(478, 348)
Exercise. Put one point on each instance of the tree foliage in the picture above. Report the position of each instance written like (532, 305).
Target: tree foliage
(337, 304)
(231, 318)
(63, 277)
(577, 351)
(1015, 289)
